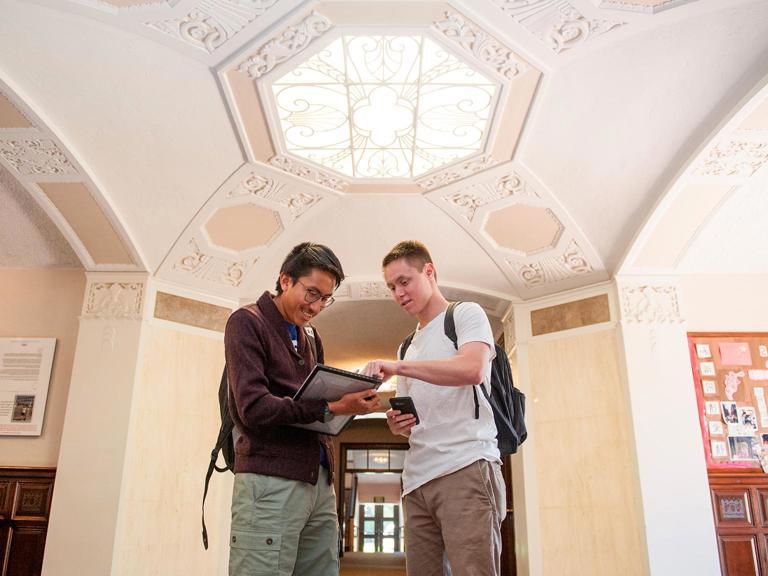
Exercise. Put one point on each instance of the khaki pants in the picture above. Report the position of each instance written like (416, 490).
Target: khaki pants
(283, 527)
(461, 513)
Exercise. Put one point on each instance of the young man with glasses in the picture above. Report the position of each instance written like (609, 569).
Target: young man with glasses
(283, 504)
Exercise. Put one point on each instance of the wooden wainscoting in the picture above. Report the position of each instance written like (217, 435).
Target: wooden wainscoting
(740, 506)
(25, 504)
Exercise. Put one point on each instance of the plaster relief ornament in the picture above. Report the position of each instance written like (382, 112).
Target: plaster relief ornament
(732, 383)
(211, 23)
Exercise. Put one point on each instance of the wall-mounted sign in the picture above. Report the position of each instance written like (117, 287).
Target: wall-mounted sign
(25, 372)
(379, 499)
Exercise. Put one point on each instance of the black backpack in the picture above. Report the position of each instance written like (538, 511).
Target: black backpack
(507, 402)
(225, 443)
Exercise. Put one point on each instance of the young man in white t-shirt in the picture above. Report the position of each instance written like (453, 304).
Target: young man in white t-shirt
(453, 491)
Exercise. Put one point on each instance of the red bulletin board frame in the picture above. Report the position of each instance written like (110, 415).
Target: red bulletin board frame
(696, 338)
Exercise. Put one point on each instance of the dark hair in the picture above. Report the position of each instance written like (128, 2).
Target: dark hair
(306, 256)
(413, 251)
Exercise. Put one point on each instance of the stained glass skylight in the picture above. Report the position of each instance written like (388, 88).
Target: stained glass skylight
(383, 107)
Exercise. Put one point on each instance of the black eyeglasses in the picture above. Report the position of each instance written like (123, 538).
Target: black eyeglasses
(311, 295)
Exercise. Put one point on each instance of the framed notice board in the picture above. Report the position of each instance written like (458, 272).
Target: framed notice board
(730, 372)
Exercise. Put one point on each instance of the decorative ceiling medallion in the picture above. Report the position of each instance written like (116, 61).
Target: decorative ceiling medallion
(524, 229)
(211, 23)
(556, 22)
(212, 268)
(38, 156)
(384, 106)
(735, 158)
(481, 45)
(470, 199)
(650, 304)
(572, 262)
(290, 42)
(268, 189)
(457, 172)
(309, 173)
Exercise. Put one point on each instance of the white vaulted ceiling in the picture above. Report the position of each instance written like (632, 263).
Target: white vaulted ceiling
(157, 120)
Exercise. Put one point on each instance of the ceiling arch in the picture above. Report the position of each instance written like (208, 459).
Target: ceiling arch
(616, 94)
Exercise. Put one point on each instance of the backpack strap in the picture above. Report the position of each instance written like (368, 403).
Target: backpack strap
(224, 433)
(309, 332)
(449, 327)
(406, 343)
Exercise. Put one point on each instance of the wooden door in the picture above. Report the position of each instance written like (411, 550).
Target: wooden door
(25, 503)
(740, 506)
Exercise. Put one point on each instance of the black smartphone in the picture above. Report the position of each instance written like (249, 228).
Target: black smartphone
(405, 405)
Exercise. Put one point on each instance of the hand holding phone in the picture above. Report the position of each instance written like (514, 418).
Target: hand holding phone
(405, 405)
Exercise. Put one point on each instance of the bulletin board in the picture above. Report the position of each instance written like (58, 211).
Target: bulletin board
(730, 373)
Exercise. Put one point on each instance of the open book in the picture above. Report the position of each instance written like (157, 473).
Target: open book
(331, 384)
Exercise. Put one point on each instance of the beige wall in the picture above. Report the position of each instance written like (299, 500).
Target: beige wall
(42, 303)
(725, 302)
(174, 423)
(585, 471)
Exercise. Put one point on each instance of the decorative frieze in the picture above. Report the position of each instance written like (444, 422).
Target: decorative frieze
(114, 300)
(308, 173)
(481, 45)
(211, 23)
(641, 5)
(266, 188)
(373, 291)
(650, 304)
(469, 200)
(213, 268)
(35, 156)
(556, 22)
(735, 158)
(572, 262)
(457, 172)
(287, 44)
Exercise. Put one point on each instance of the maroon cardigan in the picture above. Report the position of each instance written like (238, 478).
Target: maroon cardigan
(264, 373)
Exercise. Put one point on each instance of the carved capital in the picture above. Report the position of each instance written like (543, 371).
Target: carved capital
(119, 299)
(650, 304)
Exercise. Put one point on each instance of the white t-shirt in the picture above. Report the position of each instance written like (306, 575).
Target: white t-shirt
(448, 437)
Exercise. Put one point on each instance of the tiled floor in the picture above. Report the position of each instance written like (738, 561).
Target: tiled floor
(357, 564)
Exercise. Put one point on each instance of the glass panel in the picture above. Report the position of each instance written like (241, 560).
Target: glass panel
(388, 527)
(396, 459)
(369, 527)
(388, 545)
(378, 459)
(388, 510)
(369, 510)
(369, 545)
(357, 459)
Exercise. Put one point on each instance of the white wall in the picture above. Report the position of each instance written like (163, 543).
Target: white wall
(725, 302)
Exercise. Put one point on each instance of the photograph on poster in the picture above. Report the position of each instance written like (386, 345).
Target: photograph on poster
(743, 447)
(730, 414)
(703, 351)
(716, 428)
(763, 350)
(719, 449)
(707, 368)
(747, 417)
(708, 386)
(764, 438)
(711, 408)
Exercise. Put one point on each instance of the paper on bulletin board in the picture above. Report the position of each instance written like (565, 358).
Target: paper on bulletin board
(25, 373)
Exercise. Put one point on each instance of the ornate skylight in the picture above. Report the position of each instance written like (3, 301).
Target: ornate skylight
(383, 107)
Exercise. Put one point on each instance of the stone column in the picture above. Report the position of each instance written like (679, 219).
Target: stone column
(86, 498)
(680, 536)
